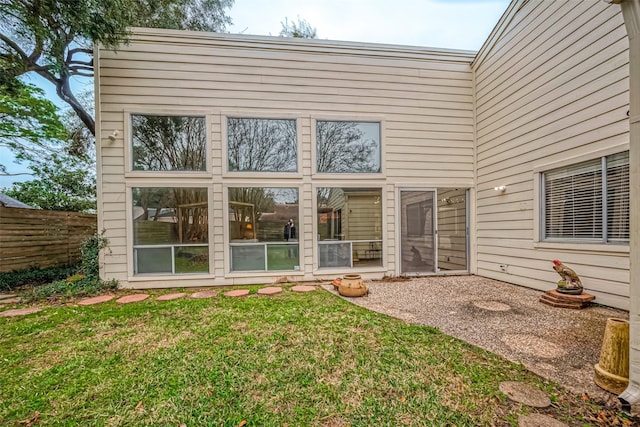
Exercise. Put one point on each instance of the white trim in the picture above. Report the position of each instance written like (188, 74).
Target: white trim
(582, 247)
(99, 143)
(209, 39)
(129, 185)
(317, 270)
(614, 149)
(357, 118)
(399, 188)
(129, 172)
(264, 183)
(538, 205)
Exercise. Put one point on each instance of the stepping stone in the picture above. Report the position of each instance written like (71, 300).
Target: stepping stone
(96, 300)
(269, 290)
(11, 300)
(533, 345)
(539, 420)
(132, 298)
(204, 294)
(4, 296)
(19, 312)
(303, 288)
(237, 293)
(169, 297)
(525, 394)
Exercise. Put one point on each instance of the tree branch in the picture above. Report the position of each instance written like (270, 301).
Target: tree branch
(14, 46)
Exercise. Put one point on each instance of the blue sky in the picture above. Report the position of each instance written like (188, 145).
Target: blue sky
(455, 24)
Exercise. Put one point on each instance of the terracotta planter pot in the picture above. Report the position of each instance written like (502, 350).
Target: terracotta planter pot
(352, 285)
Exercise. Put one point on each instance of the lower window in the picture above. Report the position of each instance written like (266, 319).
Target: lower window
(170, 230)
(349, 227)
(263, 229)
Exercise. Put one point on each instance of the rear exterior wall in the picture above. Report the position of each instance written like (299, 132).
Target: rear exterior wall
(552, 89)
(423, 99)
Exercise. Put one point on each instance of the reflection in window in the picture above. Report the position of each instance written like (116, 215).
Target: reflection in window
(263, 229)
(170, 230)
(349, 227)
(262, 145)
(168, 143)
(347, 147)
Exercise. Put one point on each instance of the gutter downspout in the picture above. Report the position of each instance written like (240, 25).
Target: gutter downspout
(631, 14)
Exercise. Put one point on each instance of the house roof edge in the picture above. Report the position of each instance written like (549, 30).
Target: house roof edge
(300, 44)
(502, 24)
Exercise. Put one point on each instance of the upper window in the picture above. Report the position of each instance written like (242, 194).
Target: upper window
(347, 147)
(588, 201)
(168, 143)
(262, 145)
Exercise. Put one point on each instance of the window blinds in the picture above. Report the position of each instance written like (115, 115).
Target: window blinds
(582, 204)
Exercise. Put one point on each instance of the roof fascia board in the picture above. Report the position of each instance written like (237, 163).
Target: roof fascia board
(151, 35)
(504, 22)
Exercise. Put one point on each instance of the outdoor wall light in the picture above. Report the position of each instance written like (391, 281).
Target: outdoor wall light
(501, 188)
(113, 136)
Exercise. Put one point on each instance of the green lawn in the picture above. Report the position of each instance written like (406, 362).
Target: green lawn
(292, 359)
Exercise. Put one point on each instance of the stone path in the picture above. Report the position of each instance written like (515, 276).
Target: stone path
(9, 299)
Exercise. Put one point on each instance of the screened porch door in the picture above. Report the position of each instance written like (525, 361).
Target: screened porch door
(417, 232)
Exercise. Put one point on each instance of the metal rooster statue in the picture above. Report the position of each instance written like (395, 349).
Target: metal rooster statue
(570, 283)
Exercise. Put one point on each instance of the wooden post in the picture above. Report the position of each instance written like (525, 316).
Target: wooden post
(612, 372)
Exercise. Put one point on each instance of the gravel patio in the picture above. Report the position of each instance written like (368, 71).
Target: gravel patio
(556, 343)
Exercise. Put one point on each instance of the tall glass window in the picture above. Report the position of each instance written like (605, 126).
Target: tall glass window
(262, 145)
(347, 147)
(263, 229)
(349, 227)
(168, 143)
(170, 230)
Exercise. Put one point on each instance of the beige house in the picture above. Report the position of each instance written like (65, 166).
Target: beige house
(390, 160)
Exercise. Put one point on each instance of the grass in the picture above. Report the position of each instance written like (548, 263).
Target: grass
(292, 359)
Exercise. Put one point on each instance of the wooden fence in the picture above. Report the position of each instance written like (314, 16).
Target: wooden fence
(39, 238)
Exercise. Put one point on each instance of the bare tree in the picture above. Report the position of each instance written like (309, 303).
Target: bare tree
(262, 145)
(342, 148)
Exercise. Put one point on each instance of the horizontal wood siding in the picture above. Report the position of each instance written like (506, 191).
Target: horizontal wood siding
(552, 86)
(423, 98)
(39, 238)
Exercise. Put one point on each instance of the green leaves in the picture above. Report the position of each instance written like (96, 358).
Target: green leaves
(28, 121)
(61, 184)
(54, 38)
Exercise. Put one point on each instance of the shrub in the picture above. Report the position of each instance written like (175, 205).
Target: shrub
(34, 276)
(90, 249)
(84, 280)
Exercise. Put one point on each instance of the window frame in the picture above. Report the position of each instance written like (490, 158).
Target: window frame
(130, 247)
(226, 173)
(265, 183)
(128, 141)
(315, 175)
(317, 270)
(595, 244)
